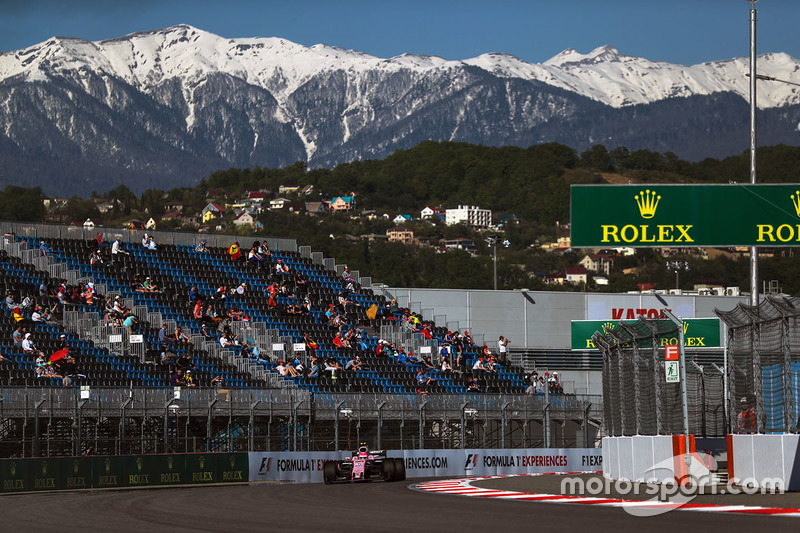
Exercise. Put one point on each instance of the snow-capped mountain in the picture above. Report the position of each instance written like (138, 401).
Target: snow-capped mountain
(178, 103)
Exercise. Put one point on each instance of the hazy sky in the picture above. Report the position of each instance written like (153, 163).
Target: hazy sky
(678, 31)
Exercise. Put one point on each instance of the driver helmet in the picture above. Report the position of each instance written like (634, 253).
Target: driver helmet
(363, 451)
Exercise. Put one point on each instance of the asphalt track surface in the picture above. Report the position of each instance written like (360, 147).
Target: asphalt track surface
(368, 507)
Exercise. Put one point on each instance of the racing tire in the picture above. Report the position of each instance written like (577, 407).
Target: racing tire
(399, 470)
(329, 472)
(388, 469)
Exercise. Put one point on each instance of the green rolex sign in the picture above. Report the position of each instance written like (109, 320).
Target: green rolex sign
(697, 333)
(685, 215)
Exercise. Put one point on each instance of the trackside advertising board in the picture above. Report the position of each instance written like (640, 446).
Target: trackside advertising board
(697, 333)
(307, 467)
(608, 216)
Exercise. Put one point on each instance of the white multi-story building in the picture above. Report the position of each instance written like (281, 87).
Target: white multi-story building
(472, 216)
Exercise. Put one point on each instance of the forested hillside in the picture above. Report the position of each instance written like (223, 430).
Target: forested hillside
(531, 183)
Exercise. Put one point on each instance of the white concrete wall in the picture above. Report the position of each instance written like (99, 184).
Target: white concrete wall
(765, 459)
(639, 458)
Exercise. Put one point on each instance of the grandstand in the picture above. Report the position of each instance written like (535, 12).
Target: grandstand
(110, 357)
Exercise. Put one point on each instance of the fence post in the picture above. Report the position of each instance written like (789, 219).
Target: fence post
(35, 450)
(503, 424)
(336, 424)
(422, 424)
(208, 423)
(380, 423)
(123, 449)
(586, 425)
(252, 433)
(294, 425)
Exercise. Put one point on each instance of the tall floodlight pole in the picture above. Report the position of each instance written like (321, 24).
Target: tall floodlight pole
(753, 77)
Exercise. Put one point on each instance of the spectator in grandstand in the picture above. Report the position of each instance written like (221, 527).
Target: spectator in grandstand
(201, 247)
(225, 341)
(148, 286)
(473, 386)
(197, 312)
(162, 336)
(479, 367)
(131, 324)
(300, 285)
(205, 333)
(554, 384)
(10, 303)
(354, 364)
(28, 346)
(120, 310)
(446, 366)
(502, 350)
(41, 315)
(18, 335)
(44, 289)
(221, 293)
(263, 249)
(19, 318)
(315, 370)
(185, 362)
(118, 248)
(468, 339)
(281, 269)
(218, 382)
(108, 310)
(423, 381)
(181, 338)
(540, 386)
(253, 257)
(332, 367)
(234, 252)
(44, 249)
(151, 244)
(177, 378)
(311, 345)
(531, 390)
(62, 342)
(240, 290)
(98, 239)
(194, 294)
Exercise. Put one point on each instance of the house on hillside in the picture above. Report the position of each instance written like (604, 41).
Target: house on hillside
(432, 213)
(472, 216)
(316, 208)
(150, 224)
(459, 244)
(211, 211)
(555, 279)
(600, 263)
(278, 203)
(400, 234)
(342, 203)
(245, 218)
(288, 189)
(401, 219)
(88, 224)
(577, 275)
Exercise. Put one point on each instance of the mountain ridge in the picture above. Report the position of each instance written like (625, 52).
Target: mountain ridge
(178, 103)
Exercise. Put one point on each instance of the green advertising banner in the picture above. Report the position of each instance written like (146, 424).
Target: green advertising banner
(608, 216)
(113, 471)
(697, 333)
(108, 471)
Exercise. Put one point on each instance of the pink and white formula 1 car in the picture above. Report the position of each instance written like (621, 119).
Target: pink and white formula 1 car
(364, 466)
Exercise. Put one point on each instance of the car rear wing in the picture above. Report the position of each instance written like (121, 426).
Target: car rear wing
(380, 453)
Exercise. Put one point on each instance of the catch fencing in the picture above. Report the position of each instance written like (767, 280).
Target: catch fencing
(119, 421)
(764, 365)
(637, 400)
